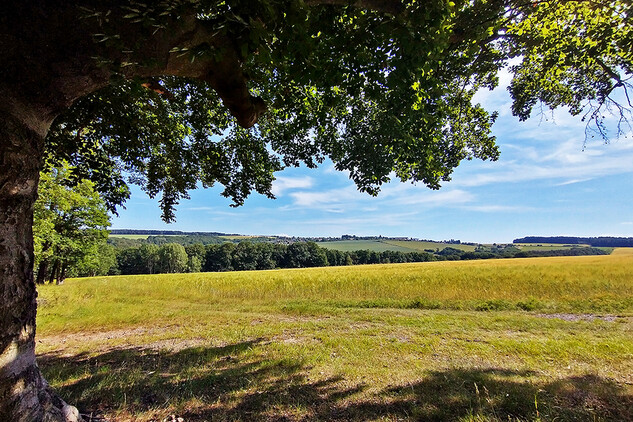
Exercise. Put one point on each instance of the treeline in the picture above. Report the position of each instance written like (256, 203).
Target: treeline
(563, 252)
(246, 255)
(204, 239)
(165, 233)
(452, 254)
(598, 242)
(124, 242)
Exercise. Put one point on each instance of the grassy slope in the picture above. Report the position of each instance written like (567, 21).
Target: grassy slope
(357, 245)
(390, 245)
(421, 246)
(339, 343)
(130, 236)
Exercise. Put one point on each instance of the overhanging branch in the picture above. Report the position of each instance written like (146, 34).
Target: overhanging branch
(393, 7)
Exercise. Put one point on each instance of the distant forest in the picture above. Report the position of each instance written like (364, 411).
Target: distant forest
(151, 258)
(166, 233)
(596, 242)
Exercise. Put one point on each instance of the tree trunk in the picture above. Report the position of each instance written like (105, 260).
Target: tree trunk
(24, 395)
(42, 271)
(53, 274)
(44, 70)
(62, 273)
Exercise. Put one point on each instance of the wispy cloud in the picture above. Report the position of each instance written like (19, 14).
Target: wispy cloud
(566, 162)
(423, 196)
(498, 208)
(393, 196)
(376, 220)
(327, 198)
(283, 183)
(573, 181)
(199, 208)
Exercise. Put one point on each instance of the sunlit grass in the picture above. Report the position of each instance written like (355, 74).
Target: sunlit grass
(565, 284)
(444, 341)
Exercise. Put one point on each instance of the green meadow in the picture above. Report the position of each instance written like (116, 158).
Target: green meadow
(536, 339)
(130, 236)
(381, 245)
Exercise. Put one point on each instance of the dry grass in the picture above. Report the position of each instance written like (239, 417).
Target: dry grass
(339, 344)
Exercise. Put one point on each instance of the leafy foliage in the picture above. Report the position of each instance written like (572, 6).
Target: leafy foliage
(70, 226)
(383, 89)
(172, 258)
(575, 54)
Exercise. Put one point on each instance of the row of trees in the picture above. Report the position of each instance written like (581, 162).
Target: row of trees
(452, 254)
(246, 255)
(601, 241)
(185, 239)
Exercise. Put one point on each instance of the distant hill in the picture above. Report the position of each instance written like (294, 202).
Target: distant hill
(603, 241)
(166, 233)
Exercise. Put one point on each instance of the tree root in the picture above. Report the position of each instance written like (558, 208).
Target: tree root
(55, 408)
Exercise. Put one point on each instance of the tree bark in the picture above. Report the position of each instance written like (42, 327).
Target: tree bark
(43, 71)
(24, 395)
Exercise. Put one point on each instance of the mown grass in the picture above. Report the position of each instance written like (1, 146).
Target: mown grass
(443, 341)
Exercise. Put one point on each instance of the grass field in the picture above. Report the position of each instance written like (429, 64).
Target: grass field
(357, 245)
(497, 340)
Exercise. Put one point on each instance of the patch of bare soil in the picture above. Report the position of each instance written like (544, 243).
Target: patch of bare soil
(98, 336)
(580, 317)
(173, 344)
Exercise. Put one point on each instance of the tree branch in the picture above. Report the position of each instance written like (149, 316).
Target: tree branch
(393, 7)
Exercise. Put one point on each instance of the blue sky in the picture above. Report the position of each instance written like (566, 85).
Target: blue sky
(548, 181)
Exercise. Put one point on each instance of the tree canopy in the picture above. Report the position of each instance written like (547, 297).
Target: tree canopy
(381, 88)
(70, 223)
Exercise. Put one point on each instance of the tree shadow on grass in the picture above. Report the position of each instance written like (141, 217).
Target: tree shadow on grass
(231, 383)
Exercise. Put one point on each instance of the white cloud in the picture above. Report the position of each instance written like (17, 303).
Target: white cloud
(436, 198)
(282, 183)
(559, 169)
(326, 198)
(393, 195)
(563, 160)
